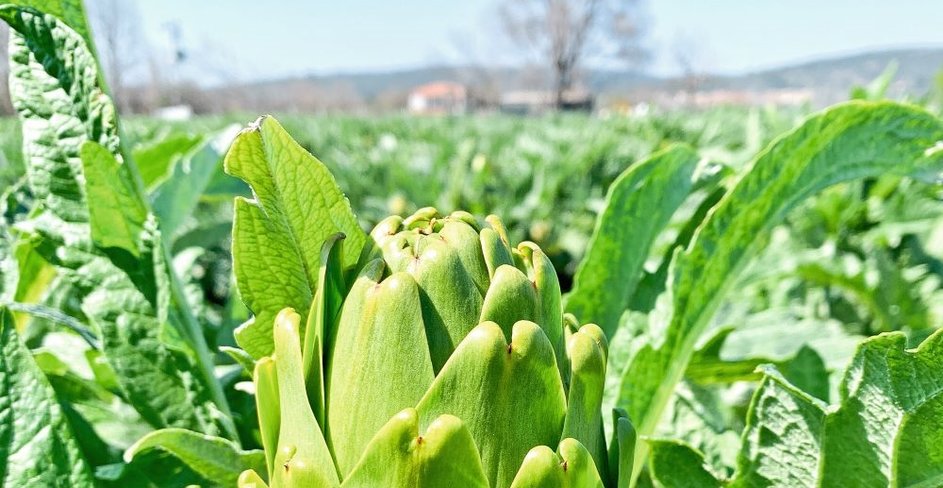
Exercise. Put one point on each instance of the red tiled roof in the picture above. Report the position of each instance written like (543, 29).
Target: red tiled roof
(440, 89)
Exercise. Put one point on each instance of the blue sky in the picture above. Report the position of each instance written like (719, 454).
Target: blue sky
(252, 39)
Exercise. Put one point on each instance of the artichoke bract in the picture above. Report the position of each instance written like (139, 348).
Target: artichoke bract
(443, 359)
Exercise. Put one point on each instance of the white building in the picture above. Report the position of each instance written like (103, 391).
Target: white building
(439, 98)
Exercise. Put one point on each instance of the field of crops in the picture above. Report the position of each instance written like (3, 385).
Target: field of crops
(731, 297)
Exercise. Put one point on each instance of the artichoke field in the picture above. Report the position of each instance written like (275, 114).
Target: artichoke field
(745, 326)
(449, 363)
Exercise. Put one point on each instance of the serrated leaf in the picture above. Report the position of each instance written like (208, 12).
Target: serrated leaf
(217, 460)
(37, 445)
(886, 430)
(157, 373)
(55, 88)
(845, 142)
(277, 236)
(72, 12)
(638, 206)
(121, 278)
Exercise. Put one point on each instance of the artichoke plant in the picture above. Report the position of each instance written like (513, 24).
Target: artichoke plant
(444, 359)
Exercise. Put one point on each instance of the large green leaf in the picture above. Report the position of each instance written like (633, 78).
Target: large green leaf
(848, 141)
(887, 429)
(277, 236)
(72, 12)
(54, 87)
(217, 460)
(37, 446)
(639, 205)
(94, 225)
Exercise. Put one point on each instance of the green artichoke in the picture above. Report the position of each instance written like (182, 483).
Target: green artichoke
(446, 361)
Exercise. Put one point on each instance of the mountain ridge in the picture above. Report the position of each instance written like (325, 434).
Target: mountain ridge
(826, 80)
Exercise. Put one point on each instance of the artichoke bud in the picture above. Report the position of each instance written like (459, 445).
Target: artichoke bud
(423, 217)
(511, 297)
(250, 479)
(463, 237)
(498, 227)
(389, 343)
(468, 273)
(495, 251)
(386, 228)
(549, 304)
(587, 351)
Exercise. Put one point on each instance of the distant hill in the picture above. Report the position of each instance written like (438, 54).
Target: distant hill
(828, 80)
(832, 78)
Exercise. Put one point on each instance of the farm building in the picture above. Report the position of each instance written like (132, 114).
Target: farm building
(530, 102)
(439, 98)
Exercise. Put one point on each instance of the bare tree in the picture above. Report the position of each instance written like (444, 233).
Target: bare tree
(565, 33)
(689, 55)
(121, 44)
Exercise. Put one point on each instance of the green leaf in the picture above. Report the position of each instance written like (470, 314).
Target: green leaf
(72, 12)
(621, 449)
(38, 445)
(241, 358)
(116, 212)
(517, 380)
(156, 160)
(95, 228)
(55, 88)
(9, 267)
(639, 205)
(215, 459)
(885, 431)
(277, 236)
(653, 284)
(675, 464)
(320, 331)
(848, 141)
(444, 455)
(157, 373)
(782, 439)
(176, 198)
